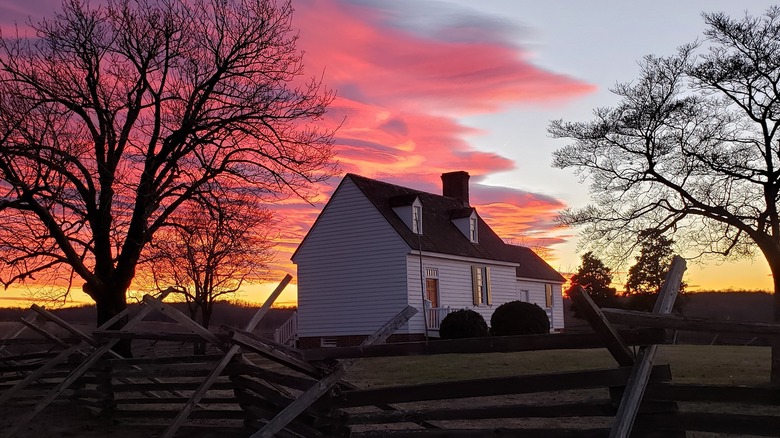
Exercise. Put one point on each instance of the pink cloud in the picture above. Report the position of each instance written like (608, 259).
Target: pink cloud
(368, 59)
(401, 92)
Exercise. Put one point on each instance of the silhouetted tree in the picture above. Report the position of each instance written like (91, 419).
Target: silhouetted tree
(112, 117)
(648, 273)
(214, 245)
(691, 148)
(596, 279)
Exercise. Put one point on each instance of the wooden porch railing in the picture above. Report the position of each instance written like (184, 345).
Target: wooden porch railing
(436, 316)
(287, 333)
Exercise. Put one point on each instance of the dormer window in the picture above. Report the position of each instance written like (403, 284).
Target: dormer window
(417, 219)
(467, 221)
(409, 210)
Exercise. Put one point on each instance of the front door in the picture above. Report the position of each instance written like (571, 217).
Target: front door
(432, 291)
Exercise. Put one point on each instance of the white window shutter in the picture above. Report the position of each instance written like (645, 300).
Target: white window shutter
(488, 297)
(475, 285)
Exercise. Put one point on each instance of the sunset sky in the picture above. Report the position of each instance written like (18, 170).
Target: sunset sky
(430, 86)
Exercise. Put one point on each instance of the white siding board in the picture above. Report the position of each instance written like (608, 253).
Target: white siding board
(351, 269)
(455, 286)
(536, 295)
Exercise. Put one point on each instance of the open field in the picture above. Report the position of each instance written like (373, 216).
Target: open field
(690, 364)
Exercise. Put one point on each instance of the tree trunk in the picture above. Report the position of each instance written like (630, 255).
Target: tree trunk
(205, 316)
(110, 303)
(775, 340)
(771, 251)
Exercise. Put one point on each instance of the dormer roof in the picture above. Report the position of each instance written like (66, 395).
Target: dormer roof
(402, 200)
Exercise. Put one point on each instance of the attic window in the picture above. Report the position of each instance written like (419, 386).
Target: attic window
(417, 219)
(473, 236)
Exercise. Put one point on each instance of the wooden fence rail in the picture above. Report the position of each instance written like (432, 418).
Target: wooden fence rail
(255, 387)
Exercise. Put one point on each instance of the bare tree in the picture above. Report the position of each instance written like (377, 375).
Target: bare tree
(691, 149)
(214, 246)
(115, 116)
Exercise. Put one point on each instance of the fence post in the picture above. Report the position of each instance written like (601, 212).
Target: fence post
(640, 374)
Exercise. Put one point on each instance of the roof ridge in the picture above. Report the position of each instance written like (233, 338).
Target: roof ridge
(389, 184)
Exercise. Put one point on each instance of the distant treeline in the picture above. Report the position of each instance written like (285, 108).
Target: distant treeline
(744, 306)
(749, 306)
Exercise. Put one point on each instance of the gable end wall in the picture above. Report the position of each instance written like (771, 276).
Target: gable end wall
(351, 269)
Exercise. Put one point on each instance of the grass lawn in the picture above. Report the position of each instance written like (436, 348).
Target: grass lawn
(689, 364)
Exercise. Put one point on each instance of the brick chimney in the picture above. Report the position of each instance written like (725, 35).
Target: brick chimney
(456, 185)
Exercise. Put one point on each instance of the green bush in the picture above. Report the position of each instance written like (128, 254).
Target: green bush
(519, 318)
(463, 323)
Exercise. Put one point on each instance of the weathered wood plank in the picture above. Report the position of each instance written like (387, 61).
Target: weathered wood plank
(475, 433)
(27, 357)
(677, 322)
(265, 349)
(600, 408)
(640, 374)
(313, 394)
(737, 424)
(290, 432)
(39, 372)
(167, 386)
(269, 350)
(182, 319)
(615, 344)
(761, 395)
(188, 359)
(174, 400)
(64, 324)
(12, 335)
(229, 353)
(155, 336)
(32, 325)
(290, 381)
(37, 341)
(161, 372)
(285, 349)
(263, 390)
(492, 344)
(218, 414)
(491, 387)
(82, 368)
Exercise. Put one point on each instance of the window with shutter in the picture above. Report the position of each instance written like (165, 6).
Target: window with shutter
(548, 295)
(480, 285)
(476, 281)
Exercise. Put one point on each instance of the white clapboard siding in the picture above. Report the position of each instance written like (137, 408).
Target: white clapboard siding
(351, 240)
(535, 289)
(455, 286)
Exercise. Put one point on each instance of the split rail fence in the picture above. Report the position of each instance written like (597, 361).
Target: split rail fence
(246, 385)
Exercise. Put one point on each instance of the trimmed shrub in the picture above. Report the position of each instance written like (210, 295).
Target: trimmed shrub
(463, 323)
(519, 318)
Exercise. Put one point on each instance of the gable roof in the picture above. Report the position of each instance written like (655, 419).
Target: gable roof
(533, 266)
(440, 235)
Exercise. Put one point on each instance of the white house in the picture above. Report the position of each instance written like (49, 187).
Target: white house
(377, 247)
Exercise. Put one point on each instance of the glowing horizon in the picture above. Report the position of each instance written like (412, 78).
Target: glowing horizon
(415, 81)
